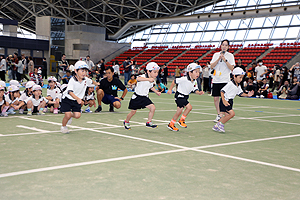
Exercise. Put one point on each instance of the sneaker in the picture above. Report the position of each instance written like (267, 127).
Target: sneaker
(126, 125)
(257, 96)
(21, 111)
(4, 114)
(64, 129)
(11, 111)
(99, 109)
(29, 113)
(88, 111)
(262, 96)
(45, 110)
(150, 125)
(55, 111)
(172, 127)
(217, 118)
(70, 121)
(221, 127)
(111, 108)
(216, 128)
(41, 113)
(182, 123)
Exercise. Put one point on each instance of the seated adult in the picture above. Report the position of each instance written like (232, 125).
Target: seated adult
(132, 82)
(107, 92)
(36, 77)
(65, 79)
(282, 92)
(293, 91)
(251, 86)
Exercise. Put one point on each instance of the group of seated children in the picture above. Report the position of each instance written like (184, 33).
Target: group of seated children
(32, 100)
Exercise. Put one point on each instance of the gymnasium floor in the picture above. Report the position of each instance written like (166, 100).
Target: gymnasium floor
(257, 158)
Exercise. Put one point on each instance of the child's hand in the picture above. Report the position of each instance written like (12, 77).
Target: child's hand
(226, 103)
(169, 92)
(79, 101)
(201, 92)
(158, 93)
(250, 93)
(151, 80)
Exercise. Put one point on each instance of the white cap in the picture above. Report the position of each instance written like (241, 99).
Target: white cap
(29, 84)
(238, 71)
(91, 85)
(36, 87)
(152, 66)
(81, 65)
(2, 83)
(13, 88)
(192, 66)
(1, 87)
(52, 78)
(14, 82)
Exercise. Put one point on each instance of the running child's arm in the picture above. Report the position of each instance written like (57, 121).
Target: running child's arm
(171, 87)
(155, 91)
(247, 95)
(95, 83)
(151, 80)
(75, 97)
(223, 99)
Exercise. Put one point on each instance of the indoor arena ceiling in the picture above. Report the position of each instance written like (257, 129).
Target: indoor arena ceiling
(111, 14)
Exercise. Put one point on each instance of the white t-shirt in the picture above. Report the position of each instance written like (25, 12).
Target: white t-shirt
(90, 64)
(222, 72)
(186, 86)
(24, 97)
(54, 94)
(78, 88)
(36, 102)
(231, 90)
(9, 100)
(88, 97)
(260, 70)
(116, 69)
(3, 62)
(206, 72)
(142, 87)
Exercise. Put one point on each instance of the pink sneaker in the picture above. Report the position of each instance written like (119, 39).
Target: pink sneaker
(55, 111)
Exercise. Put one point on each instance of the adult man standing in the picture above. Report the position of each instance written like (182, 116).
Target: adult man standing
(89, 62)
(260, 71)
(2, 68)
(63, 65)
(127, 70)
(108, 91)
(165, 74)
(44, 69)
(25, 68)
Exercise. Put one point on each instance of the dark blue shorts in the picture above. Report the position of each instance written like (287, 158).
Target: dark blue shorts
(109, 99)
(224, 108)
(68, 105)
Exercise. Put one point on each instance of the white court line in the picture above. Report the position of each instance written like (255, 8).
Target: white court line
(31, 128)
(35, 133)
(274, 121)
(92, 122)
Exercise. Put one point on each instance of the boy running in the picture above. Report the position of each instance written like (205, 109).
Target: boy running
(140, 99)
(228, 92)
(186, 85)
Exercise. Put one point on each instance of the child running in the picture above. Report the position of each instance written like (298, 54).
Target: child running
(72, 97)
(186, 85)
(228, 92)
(140, 98)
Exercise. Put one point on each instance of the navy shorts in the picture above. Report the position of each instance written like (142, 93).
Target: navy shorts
(139, 102)
(109, 99)
(216, 89)
(224, 108)
(35, 109)
(68, 105)
(181, 100)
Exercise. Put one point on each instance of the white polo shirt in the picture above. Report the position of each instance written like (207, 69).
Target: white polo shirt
(185, 85)
(36, 102)
(24, 97)
(54, 94)
(222, 72)
(78, 88)
(231, 90)
(3, 62)
(9, 100)
(89, 97)
(142, 87)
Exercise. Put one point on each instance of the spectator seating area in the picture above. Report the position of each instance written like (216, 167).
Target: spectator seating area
(181, 56)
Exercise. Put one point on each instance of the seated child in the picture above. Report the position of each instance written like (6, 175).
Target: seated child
(36, 103)
(89, 98)
(251, 86)
(161, 87)
(228, 92)
(132, 82)
(25, 95)
(3, 104)
(282, 92)
(293, 91)
(12, 98)
(65, 79)
(262, 92)
(53, 95)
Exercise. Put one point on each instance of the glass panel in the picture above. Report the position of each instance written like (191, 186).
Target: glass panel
(11, 51)
(284, 20)
(293, 32)
(269, 21)
(295, 20)
(240, 35)
(229, 35)
(188, 37)
(182, 27)
(253, 34)
(25, 52)
(258, 22)
(153, 38)
(245, 23)
(201, 26)
(160, 37)
(197, 36)
(218, 36)
(265, 33)
(178, 37)
(222, 25)
(193, 27)
(234, 24)
(170, 37)
(212, 25)
(2, 51)
(174, 28)
(279, 33)
(208, 36)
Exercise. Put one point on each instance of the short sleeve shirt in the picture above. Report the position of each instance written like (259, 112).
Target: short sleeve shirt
(78, 88)
(111, 88)
(54, 94)
(142, 87)
(222, 72)
(36, 102)
(185, 85)
(260, 70)
(231, 90)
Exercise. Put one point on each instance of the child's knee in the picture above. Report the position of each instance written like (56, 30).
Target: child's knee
(77, 115)
(117, 104)
(232, 114)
